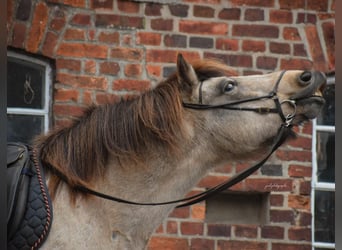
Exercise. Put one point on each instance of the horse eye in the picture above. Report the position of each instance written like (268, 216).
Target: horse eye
(228, 86)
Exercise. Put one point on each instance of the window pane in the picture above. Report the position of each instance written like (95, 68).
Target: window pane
(23, 127)
(327, 116)
(25, 84)
(324, 216)
(325, 157)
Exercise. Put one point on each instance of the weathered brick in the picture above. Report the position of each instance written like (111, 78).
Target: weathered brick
(234, 245)
(162, 24)
(272, 170)
(127, 54)
(67, 110)
(201, 42)
(69, 64)
(169, 56)
(289, 246)
(128, 6)
(57, 24)
(291, 5)
(285, 216)
(253, 46)
(102, 4)
(157, 243)
(66, 95)
(175, 41)
(87, 97)
(90, 67)
(119, 21)
(109, 37)
(232, 60)
(219, 230)
(197, 27)
(203, 11)
(230, 14)
(280, 48)
(201, 244)
(39, 23)
(110, 68)
(49, 44)
(299, 50)
(246, 231)
(254, 15)
(82, 50)
(227, 44)
(74, 3)
(148, 38)
(183, 212)
(304, 218)
(272, 232)
(104, 98)
(81, 81)
(172, 227)
(153, 9)
(300, 234)
(267, 185)
(24, 10)
(198, 211)
(276, 200)
(74, 35)
(305, 187)
(257, 3)
(303, 156)
(131, 85)
(153, 70)
(299, 171)
(180, 10)
(299, 202)
(329, 38)
(291, 33)
(296, 64)
(266, 62)
(281, 16)
(191, 228)
(81, 19)
(255, 30)
(306, 18)
(18, 35)
(133, 70)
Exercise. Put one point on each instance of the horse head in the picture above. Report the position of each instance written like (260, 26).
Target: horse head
(242, 113)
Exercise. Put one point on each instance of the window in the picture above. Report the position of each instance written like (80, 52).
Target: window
(323, 174)
(28, 97)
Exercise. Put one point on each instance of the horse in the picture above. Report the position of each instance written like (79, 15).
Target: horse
(155, 147)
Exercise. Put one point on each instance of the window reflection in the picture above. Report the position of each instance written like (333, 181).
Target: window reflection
(327, 116)
(325, 157)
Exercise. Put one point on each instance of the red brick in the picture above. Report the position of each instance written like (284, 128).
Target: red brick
(256, 3)
(329, 38)
(232, 60)
(87, 97)
(137, 85)
(38, 26)
(82, 50)
(128, 6)
(299, 50)
(179, 10)
(69, 64)
(255, 30)
(266, 62)
(153, 70)
(305, 187)
(133, 70)
(296, 64)
(230, 14)
(227, 44)
(276, 200)
(268, 185)
(57, 24)
(110, 68)
(167, 243)
(74, 3)
(153, 9)
(110, 20)
(183, 212)
(172, 227)
(285, 216)
(127, 54)
(197, 27)
(19, 35)
(272, 232)
(300, 143)
(148, 38)
(234, 245)
(254, 46)
(254, 15)
(291, 33)
(191, 228)
(173, 40)
(104, 98)
(219, 230)
(303, 156)
(102, 4)
(315, 48)
(281, 16)
(284, 246)
(246, 231)
(306, 18)
(67, 110)
(290, 5)
(74, 34)
(280, 48)
(203, 11)
(202, 244)
(90, 67)
(299, 171)
(109, 37)
(81, 81)
(81, 19)
(49, 44)
(304, 219)
(168, 56)
(66, 95)
(299, 202)
(162, 24)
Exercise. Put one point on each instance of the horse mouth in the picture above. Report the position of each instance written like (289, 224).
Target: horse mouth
(309, 107)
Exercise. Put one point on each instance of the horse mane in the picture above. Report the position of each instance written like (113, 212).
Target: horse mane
(79, 153)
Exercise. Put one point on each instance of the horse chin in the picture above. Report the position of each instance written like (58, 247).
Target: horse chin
(309, 108)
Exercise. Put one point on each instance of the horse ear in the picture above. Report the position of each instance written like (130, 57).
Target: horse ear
(186, 74)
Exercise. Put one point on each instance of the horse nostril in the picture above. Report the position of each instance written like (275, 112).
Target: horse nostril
(305, 78)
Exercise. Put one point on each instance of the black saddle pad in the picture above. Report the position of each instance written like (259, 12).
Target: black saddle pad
(29, 209)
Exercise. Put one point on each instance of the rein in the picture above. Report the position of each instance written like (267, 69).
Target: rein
(284, 131)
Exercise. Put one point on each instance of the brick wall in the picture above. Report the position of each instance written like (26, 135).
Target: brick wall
(106, 50)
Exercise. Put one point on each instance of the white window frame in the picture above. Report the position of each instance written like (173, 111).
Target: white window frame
(45, 111)
(315, 184)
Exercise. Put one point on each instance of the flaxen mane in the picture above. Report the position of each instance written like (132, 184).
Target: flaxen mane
(127, 129)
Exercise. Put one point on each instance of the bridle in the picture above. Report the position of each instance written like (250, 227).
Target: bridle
(284, 131)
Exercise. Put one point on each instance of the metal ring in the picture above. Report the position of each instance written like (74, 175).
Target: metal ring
(289, 117)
